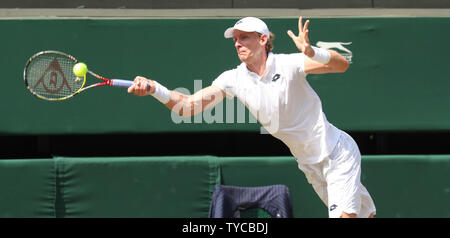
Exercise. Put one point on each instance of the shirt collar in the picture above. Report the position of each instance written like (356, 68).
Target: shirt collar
(269, 65)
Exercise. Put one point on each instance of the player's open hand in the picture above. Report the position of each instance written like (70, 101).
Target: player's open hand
(302, 40)
(141, 86)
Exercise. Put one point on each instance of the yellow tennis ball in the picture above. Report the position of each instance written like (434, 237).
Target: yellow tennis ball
(80, 69)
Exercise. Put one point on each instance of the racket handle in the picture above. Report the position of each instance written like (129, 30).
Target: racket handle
(124, 83)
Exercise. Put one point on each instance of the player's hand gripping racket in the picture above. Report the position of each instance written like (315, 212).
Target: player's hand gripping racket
(49, 75)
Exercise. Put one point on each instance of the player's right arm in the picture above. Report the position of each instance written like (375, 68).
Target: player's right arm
(184, 105)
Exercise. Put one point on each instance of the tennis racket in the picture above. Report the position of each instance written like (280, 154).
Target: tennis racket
(49, 76)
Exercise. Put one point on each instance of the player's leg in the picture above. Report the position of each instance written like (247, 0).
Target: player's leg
(347, 197)
(314, 177)
(367, 206)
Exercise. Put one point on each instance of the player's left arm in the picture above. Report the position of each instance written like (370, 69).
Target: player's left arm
(317, 60)
(337, 64)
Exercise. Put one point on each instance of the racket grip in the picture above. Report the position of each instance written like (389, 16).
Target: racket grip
(121, 83)
(124, 83)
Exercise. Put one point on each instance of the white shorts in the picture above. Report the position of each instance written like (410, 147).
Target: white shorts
(337, 180)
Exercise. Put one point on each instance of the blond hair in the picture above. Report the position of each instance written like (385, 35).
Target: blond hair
(269, 45)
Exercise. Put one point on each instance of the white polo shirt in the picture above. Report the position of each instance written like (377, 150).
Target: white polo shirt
(285, 104)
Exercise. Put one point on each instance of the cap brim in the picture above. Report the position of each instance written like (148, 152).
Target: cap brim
(229, 32)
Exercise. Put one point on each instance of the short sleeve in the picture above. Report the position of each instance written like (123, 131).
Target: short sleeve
(225, 82)
(298, 62)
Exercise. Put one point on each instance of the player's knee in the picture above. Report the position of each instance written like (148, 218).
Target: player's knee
(354, 215)
(348, 215)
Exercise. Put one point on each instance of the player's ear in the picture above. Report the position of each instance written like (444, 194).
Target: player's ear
(263, 39)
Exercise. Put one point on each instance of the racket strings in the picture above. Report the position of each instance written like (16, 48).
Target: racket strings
(51, 76)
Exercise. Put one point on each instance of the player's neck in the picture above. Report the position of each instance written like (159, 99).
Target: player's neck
(258, 66)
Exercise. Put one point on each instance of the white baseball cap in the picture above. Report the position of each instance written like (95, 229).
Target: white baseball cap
(248, 24)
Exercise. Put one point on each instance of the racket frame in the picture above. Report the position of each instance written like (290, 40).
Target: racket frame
(105, 81)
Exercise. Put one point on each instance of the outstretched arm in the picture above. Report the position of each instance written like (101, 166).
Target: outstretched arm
(185, 105)
(318, 61)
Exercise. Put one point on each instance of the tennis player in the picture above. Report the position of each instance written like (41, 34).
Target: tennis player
(275, 90)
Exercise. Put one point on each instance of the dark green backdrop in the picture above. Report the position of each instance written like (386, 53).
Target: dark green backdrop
(397, 80)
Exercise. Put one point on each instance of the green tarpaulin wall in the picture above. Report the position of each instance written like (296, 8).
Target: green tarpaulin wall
(401, 186)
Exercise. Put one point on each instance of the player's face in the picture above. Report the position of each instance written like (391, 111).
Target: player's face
(248, 45)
